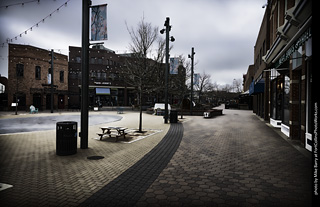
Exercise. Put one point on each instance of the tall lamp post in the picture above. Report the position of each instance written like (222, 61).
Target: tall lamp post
(167, 30)
(85, 75)
(51, 77)
(192, 62)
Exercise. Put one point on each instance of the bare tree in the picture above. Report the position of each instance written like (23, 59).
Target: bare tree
(237, 84)
(203, 85)
(139, 70)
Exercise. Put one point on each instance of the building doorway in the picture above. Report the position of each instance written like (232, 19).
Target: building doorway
(48, 101)
(61, 101)
(37, 101)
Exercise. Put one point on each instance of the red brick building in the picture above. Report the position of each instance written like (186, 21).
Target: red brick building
(106, 85)
(29, 75)
(283, 66)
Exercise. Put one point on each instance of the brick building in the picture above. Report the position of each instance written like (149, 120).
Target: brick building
(106, 86)
(3, 93)
(248, 78)
(28, 78)
(283, 65)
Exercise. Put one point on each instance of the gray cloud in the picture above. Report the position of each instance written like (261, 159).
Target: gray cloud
(223, 32)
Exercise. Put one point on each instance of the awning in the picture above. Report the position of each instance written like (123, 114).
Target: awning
(256, 88)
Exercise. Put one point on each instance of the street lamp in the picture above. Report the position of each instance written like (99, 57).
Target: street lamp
(192, 63)
(51, 77)
(167, 30)
(85, 75)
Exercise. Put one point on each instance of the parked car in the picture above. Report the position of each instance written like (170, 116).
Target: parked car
(159, 108)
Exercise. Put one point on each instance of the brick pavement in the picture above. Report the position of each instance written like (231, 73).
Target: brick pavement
(232, 160)
(28, 161)
(127, 189)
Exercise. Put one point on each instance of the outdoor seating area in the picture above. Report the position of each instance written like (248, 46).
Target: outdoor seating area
(113, 132)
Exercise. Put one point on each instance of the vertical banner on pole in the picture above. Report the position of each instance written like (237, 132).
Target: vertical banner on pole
(196, 78)
(174, 65)
(99, 23)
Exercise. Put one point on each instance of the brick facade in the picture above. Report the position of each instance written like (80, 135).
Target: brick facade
(286, 67)
(28, 78)
(105, 68)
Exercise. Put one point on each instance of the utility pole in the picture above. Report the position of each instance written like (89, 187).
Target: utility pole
(192, 62)
(85, 75)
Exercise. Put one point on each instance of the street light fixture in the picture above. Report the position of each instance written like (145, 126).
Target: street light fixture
(167, 30)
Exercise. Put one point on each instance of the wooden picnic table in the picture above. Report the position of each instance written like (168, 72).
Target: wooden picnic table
(113, 131)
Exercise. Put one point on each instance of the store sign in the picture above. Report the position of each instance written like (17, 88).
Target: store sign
(294, 47)
(102, 91)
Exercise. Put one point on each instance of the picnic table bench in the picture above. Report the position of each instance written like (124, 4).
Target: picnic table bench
(113, 131)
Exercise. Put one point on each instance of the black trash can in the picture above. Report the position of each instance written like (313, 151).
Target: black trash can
(66, 138)
(173, 116)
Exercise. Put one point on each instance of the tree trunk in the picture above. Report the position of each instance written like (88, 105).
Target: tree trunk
(140, 120)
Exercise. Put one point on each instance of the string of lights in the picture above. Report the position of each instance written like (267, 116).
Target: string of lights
(35, 25)
(22, 3)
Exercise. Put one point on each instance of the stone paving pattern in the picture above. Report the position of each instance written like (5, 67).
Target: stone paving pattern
(28, 161)
(229, 160)
(232, 160)
(127, 189)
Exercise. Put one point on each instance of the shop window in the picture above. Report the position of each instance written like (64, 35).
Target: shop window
(286, 99)
(38, 73)
(104, 76)
(78, 59)
(98, 75)
(276, 98)
(61, 76)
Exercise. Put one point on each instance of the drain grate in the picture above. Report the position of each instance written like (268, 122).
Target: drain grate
(95, 157)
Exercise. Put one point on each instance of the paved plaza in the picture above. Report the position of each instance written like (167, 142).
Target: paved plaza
(229, 160)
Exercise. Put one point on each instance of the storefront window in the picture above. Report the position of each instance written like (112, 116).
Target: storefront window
(277, 97)
(286, 98)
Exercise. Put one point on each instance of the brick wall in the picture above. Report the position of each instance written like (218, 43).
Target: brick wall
(28, 84)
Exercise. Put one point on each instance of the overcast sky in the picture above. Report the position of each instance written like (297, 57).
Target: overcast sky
(223, 32)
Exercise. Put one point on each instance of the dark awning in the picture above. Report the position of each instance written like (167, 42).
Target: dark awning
(256, 88)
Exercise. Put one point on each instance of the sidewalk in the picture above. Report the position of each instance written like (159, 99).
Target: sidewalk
(232, 160)
(28, 161)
